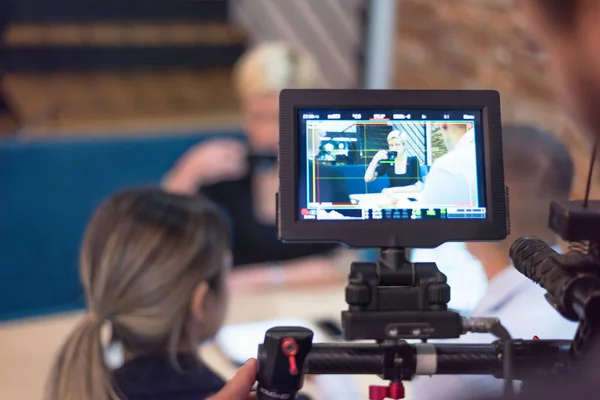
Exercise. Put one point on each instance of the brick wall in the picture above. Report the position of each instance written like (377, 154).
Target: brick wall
(438, 147)
(478, 44)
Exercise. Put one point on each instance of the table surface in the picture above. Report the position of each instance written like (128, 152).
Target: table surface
(374, 200)
(28, 347)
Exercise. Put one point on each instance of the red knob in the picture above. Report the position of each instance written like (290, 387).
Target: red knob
(378, 392)
(289, 347)
(396, 390)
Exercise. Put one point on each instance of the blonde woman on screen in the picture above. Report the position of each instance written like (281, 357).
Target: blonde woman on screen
(403, 170)
(153, 267)
(243, 178)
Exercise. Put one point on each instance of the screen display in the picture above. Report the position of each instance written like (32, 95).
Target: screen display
(390, 164)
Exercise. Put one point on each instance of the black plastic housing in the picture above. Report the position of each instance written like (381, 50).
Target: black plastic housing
(574, 223)
(390, 233)
(275, 381)
(395, 299)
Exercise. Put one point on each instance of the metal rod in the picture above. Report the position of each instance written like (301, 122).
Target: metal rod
(381, 42)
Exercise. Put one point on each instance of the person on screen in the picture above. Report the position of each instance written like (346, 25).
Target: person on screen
(153, 267)
(403, 170)
(452, 179)
(534, 179)
(246, 186)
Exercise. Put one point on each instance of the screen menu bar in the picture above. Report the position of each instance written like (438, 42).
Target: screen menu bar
(389, 115)
(396, 213)
(431, 213)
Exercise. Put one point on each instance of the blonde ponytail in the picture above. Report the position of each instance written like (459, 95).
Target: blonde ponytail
(79, 372)
(144, 254)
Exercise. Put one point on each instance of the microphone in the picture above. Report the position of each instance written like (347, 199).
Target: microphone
(573, 292)
(536, 260)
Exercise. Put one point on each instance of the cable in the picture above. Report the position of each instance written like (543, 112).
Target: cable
(590, 173)
(493, 326)
(502, 333)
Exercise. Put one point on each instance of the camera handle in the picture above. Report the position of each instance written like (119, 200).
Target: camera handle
(394, 361)
(283, 363)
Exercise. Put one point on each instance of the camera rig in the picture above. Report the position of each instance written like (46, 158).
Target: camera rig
(389, 302)
(373, 294)
(393, 300)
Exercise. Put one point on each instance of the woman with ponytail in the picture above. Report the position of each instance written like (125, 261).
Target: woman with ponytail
(153, 266)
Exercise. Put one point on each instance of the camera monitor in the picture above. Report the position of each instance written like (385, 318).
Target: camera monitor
(390, 168)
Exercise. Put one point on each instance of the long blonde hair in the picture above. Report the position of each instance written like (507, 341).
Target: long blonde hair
(144, 254)
(273, 66)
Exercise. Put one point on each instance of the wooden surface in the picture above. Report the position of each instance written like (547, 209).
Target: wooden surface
(70, 101)
(8, 124)
(83, 102)
(137, 33)
(28, 347)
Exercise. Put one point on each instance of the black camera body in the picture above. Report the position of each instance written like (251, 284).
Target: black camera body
(478, 215)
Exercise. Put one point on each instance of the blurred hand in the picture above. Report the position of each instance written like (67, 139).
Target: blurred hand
(381, 155)
(265, 184)
(240, 386)
(248, 279)
(208, 163)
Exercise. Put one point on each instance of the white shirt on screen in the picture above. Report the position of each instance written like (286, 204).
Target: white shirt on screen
(452, 179)
(523, 310)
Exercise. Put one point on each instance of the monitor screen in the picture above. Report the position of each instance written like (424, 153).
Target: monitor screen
(392, 164)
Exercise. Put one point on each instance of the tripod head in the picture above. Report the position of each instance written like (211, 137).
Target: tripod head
(395, 299)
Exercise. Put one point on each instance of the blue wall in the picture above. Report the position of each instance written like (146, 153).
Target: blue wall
(48, 190)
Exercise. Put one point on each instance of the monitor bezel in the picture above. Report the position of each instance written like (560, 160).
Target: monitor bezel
(426, 233)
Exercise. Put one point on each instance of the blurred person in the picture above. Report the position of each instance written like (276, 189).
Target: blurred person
(452, 179)
(244, 179)
(538, 169)
(153, 267)
(403, 170)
